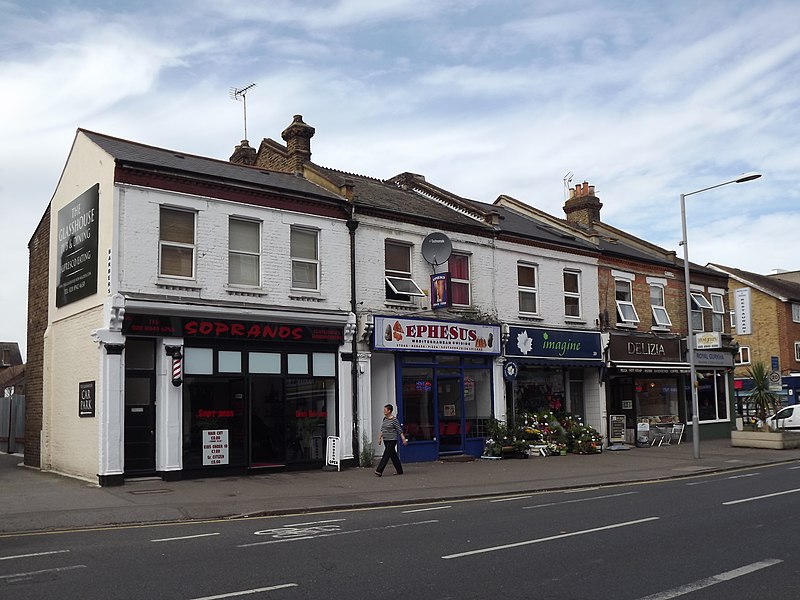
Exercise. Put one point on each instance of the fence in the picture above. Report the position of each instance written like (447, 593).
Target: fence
(12, 424)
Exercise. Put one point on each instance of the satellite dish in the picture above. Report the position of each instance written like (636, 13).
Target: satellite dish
(436, 248)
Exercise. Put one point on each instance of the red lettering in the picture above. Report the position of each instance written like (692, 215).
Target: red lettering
(268, 332)
(284, 332)
(297, 333)
(254, 331)
(237, 329)
(411, 331)
(472, 335)
(190, 328)
(221, 328)
(206, 327)
(453, 333)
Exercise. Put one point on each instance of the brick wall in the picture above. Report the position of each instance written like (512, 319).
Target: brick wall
(38, 261)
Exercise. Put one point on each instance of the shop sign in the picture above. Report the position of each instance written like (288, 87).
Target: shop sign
(215, 447)
(530, 342)
(422, 335)
(77, 247)
(709, 358)
(441, 286)
(741, 309)
(644, 349)
(707, 339)
(227, 329)
(86, 399)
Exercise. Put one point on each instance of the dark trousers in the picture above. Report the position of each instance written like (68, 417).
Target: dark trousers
(390, 452)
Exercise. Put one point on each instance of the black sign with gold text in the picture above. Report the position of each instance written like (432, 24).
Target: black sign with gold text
(77, 247)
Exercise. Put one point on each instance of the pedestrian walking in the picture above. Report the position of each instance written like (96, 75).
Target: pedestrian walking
(390, 429)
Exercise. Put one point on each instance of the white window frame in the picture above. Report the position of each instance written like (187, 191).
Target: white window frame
(569, 294)
(164, 244)
(744, 352)
(235, 253)
(400, 283)
(302, 260)
(717, 312)
(795, 312)
(528, 290)
(630, 319)
(466, 282)
(699, 303)
(797, 351)
(660, 314)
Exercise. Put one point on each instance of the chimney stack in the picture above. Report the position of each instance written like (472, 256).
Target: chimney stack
(583, 207)
(243, 154)
(298, 143)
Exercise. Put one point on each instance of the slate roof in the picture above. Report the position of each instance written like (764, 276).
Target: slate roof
(780, 288)
(222, 171)
(14, 355)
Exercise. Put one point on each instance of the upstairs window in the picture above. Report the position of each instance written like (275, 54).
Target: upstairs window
(699, 303)
(660, 315)
(797, 351)
(718, 313)
(244, 252)
(458, 265)
(305, 259)
(796, 312)
(624, 298)
(572, 294)
(527, 290)
(399, 284)
(176, 243)
(743, 357)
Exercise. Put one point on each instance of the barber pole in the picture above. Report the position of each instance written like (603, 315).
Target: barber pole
(177, 365)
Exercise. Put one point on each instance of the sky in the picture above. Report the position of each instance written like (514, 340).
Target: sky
(644, 99)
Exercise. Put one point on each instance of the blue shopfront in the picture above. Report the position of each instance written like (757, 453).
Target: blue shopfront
(443, 383)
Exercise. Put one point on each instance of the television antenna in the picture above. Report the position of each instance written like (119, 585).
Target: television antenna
(241, 94)
(567, 181)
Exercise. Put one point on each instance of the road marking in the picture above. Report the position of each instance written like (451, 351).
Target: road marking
(426, 509)
(760, 497)
(510, 499)
(742, 476)
(184, 537)
(791, 468)
(713, 580)
(31, 573)
(580, 500)
(279, 535)
(548, 539)
(246, 592)
(31, 555)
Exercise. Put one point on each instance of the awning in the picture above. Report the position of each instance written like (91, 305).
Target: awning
(649, 367)
(554, 362)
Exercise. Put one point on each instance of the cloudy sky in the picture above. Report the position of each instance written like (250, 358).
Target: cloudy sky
(644, 99)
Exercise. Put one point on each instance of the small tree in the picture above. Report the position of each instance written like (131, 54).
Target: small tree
(764, 401)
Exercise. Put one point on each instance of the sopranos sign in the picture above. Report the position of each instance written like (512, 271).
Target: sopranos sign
(77, 247)
(422, 335)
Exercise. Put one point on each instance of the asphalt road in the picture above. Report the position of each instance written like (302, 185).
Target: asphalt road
(719, 536)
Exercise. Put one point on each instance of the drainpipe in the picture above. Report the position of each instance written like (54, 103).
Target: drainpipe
(352, 225)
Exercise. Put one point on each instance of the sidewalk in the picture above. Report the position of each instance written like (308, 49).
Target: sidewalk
(31, 500)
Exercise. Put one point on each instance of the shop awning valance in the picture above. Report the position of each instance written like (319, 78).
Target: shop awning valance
(554, 362)
(649, 367)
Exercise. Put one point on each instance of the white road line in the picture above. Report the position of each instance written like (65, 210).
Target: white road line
(314, 523)
(31, 573)
(246, 592)
(713, 580)
(185, 537)
(790, 468)
(581, 500)
(760, 497)
(31, 555)
(742, 476)
(425, 509)
(510, 499)
(335, 533)
(548, 539)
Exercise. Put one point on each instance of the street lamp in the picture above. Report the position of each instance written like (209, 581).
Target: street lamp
(690, 332)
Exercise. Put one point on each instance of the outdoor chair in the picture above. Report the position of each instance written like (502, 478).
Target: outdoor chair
(659, 434)
(675, 434)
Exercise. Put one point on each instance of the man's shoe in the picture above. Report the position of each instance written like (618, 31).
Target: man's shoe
(378, 474)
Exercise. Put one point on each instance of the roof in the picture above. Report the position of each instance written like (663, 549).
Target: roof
(786, 291)
(14, 355)
(141, 155)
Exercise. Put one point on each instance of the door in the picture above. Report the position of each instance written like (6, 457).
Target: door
(140, 406)
(267, 422)
(450, 407)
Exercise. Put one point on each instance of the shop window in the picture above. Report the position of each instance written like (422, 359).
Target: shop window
(324, 364)
(711, 396)
(297, 364)
(624, 299)
(528, 291)
(743, 357)
(176, 243)
(572, 294)
(657, 399)
(477, 401)
(718, 313)
(139, 354)
(660, 315)
(418, 403)
(458, 265)
(399, 283)
(575, 402)
(264, 362)
(699, 303)
(307, 425)
(244, 252)
(198, 361)
(229, 361)
(305, 259)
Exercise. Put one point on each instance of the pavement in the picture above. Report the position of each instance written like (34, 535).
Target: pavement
(32, 500)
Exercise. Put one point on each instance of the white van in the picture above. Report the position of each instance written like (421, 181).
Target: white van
(786, 418)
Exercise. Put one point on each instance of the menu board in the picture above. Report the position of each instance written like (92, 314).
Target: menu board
(617, 429)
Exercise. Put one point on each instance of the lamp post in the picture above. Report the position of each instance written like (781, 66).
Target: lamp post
(690, 331)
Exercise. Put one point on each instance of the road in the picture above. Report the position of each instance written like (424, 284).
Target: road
(725, 536)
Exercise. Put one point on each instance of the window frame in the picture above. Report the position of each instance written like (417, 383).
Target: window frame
(796, 312)
(395, 277)
(739, 358)
(717, 312)
(625, 303)
(315, 262)
(243, 253)
(699, 304)
(659, 308)
(572, 295)
(462, 282)
(528, 290)
(797, 351)
(173, 244)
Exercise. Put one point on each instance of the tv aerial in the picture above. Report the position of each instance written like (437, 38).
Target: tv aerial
(241, 94)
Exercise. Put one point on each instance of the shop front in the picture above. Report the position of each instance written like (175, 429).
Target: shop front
(241, 395)
(553, 369)
(444, 383)
(715, 396)
(646, 383)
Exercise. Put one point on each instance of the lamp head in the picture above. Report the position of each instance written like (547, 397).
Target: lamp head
(748, 177)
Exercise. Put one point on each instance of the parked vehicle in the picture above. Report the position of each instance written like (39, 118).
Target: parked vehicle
(786, 418)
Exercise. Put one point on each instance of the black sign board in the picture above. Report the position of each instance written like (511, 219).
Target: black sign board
(617, 433)
(77, 247)
(86, 399)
